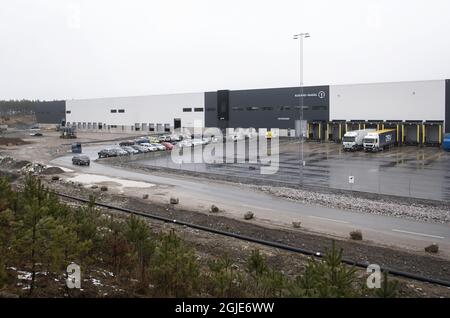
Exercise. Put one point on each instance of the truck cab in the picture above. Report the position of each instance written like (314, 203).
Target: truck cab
(353, 140)
(371, 142)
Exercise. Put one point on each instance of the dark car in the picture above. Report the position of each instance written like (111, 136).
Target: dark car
(126, 143)
(81, 160)
(105, 153)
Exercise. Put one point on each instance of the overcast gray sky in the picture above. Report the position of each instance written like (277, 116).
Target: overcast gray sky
(63, 49)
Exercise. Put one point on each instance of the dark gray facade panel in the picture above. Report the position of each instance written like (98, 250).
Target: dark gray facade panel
(271, 108)
(447, 106)
(50, 112)
(211, 109)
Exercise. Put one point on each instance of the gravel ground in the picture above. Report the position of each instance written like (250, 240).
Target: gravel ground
(211, 244)
(415, 211)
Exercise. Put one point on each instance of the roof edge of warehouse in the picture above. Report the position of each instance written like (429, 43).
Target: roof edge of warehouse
(132, 96)
(260, 88)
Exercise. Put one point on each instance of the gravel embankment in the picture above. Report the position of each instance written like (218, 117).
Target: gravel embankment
(415, 211)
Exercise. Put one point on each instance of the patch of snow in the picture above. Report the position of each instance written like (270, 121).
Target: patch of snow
(90, 179)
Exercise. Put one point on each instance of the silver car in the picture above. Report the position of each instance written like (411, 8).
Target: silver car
(140, 148)
(119, 152)
(150, 147)
(159, 147)
(130, 150)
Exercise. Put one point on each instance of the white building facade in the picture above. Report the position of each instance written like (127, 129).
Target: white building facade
(148, 114)
(421, 100)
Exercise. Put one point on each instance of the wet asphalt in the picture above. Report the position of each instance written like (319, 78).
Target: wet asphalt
(411, 171)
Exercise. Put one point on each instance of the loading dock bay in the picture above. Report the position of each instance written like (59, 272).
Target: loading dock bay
(416, 133)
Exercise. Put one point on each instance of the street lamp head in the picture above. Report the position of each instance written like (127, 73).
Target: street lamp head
(301, 35)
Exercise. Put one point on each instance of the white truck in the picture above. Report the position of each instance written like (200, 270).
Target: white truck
(353, 140)
(380, 140)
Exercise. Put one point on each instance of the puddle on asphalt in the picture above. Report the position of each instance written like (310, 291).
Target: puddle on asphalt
(90, 179)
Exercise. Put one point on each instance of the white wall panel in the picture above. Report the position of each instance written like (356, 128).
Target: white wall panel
(154, 109)
(424, 100)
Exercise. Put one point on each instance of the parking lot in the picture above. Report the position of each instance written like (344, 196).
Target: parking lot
(420, 172)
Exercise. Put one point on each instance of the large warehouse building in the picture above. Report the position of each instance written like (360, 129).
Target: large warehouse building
(420, 110)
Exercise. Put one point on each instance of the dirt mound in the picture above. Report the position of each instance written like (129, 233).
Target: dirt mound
(52, 170)
(4, 141)
(20, 164)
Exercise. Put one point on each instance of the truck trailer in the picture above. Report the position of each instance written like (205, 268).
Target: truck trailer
(380, 140)
(353, 140)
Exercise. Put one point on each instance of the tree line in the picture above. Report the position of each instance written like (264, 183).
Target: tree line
(40, 235)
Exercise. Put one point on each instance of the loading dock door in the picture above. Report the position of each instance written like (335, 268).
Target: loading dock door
(335, 131)
(432, 133)
(176, 123)
(411, 133)
(316, 131)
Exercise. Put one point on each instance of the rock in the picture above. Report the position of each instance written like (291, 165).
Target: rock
(433, 248)
(145, 196)
(103, 188)
(296, 224)
(94, 186)
(55, 178)
(52, 170)
(356, 235)
(214, 209)
(174, 200)
(249, 215)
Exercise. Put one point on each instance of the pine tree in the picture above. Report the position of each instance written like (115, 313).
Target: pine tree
(137, 233)
(326, 278)
(388, 288)
(223, 279)
(174, 268)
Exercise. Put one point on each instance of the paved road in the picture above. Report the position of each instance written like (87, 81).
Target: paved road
(238, 199)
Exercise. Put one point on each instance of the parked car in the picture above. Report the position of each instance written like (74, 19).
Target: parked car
(141, 140)
(36, 134)
(119, 152)
(105, 153)
(130, 150)
(126, 143)
(164, 138)
(168, 145)
(153, 139)
(185, 143)
(81, 160)
(159, 147)
(150, 147)
(175, 137)
(140, 148)
(197, 142)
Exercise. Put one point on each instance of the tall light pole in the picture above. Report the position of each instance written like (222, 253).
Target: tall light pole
(300, 37)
